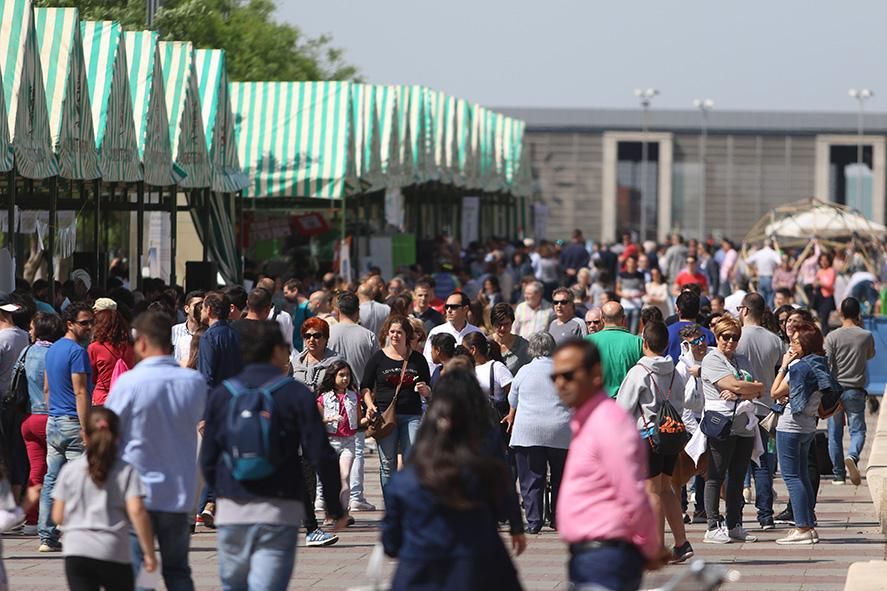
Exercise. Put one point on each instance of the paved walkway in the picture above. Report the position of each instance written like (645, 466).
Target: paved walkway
(848, 531)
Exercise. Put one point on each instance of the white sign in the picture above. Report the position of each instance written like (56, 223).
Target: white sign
(470, 220)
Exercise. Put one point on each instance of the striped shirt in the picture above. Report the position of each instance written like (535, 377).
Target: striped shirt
(528, 321)
(181, 341)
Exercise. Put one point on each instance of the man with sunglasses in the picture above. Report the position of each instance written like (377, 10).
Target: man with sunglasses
(565, 325)
(594, 320)
(457, 325)
(68, 373)
(603, 512)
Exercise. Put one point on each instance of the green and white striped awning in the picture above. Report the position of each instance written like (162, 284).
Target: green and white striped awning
(385, 129)
(23, 91)
(364, 137)
(218, 122)
(6, 158)
(412, 136)
(440, 132)
(293, 137)
(462, 142)
(149, 108)
(104, 53)
(64, 79)
(186, 129)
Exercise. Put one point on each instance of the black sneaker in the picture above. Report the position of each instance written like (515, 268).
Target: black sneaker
(785, 518)
(699, 517)
(682, 553)
(687, 519)
(768, 524)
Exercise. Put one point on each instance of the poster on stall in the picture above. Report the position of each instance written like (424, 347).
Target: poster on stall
(540, 221)
(470, 220)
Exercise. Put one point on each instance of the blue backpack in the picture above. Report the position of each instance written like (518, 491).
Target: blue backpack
(252, 446)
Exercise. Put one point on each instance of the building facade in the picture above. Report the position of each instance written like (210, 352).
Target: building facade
(701, 174)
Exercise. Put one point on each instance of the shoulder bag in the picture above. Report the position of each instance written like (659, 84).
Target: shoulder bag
(383, 424)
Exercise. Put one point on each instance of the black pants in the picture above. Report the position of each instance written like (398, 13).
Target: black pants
(310, 478)
(727, 459)
(89, 574)
(533, 463)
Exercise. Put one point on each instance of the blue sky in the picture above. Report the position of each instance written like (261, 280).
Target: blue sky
(757, 55)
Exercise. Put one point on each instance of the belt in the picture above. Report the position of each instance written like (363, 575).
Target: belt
(598, 544)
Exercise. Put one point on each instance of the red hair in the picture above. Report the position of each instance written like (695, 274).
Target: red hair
(318, 324)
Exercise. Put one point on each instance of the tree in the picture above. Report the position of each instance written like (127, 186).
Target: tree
(257, 47)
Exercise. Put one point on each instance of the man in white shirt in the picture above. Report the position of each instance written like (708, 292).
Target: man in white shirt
(533, 314)
(182, 333)
(765, 261)
(456, 309)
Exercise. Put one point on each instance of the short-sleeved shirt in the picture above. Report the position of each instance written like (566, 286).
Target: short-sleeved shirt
(574, 328)
(12, 343)
(65, 357)
(518, 355)
(620, 351)
(382, 374)
(494, 374)
(763, 349)
(96, 523)
(715, 367)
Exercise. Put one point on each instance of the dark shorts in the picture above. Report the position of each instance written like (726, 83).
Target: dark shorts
(660, 464)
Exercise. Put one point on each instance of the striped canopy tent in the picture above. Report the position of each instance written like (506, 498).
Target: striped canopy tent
(413, 153)
(218, 121)
(104, 53)
(293, 137)
(364, 136)
(64, 79)
(386, 131)
(480, 144)
(23, 91)
(186, 129)
(6, 157)
(462, 129)
(439, 126)
(514, 171)
(149, 109)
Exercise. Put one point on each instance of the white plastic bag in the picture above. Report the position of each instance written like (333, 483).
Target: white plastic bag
(375, 574)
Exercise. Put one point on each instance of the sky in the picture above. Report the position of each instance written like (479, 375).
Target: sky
(786, 55)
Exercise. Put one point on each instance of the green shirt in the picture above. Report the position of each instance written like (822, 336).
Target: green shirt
(620, 351)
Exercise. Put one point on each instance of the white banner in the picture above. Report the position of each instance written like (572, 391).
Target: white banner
(470, 220)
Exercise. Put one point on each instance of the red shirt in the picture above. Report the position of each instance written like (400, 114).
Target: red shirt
(103, 357)
(685, 278)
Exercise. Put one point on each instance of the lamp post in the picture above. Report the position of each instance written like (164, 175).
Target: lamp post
(861, 96)
(704, 106)
(645, 96)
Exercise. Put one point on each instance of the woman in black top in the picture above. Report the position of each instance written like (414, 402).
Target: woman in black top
(396, 363)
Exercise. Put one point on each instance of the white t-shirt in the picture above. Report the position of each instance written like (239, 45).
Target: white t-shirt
(501, 378)
(765, 261)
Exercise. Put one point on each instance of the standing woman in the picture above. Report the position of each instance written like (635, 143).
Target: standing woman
(657, 294)
(824, 295)
(310, 365)
(630, 289)
(725, 384)
(514, 349)
(540, 432)
(396, 368)
(111, 342)
(442, 511)
(798, 386)
(45, 330)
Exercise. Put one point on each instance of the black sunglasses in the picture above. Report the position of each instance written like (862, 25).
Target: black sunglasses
(85, 322)
(730, 337)
(560, 302)
(313, 335)
(454, 306)
(567, 375)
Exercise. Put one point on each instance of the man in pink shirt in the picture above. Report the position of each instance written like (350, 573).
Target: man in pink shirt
(604, 513)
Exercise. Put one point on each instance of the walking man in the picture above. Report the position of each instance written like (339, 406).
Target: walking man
(182, 333)
(618, 349)
(848, 350)
(565, 324)
(533, 314)
(456, 325)
(159, 404)
(219, 356)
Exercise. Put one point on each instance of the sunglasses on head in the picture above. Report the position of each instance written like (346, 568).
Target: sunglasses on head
(730, 337)
(453, 306)
(313, 335)
(698, 340)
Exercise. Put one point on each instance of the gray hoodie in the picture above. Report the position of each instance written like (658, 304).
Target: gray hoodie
(312, 375)
(651, 381)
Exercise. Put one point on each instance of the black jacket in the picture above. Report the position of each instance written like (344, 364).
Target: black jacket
(302, 427)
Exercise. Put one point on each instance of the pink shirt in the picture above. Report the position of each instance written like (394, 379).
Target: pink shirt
(602, 494)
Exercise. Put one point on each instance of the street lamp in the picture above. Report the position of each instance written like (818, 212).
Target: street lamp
(645, 96)
(861, 96)
(704, 106)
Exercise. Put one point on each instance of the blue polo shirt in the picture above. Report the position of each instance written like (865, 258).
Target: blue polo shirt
(65, 357)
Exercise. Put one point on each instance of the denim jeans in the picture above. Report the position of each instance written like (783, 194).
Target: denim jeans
(793, 450)
(357, 494)
(763, 474)
(765, 288)
(63, 444)
(854, 408)
(403, 436)
(173, 534)
(606, 569)
(256, 556)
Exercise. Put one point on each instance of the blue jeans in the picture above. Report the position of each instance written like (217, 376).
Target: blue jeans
(764, 483)
(404, 435)
(173, 534)
(793, 450)
(853, 402)
(63, 444)
(257, 556)
(765, 288)
(357, 494)
(608, 568)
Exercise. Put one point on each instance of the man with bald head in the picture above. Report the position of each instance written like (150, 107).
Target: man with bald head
(620, 350)
(594, 320)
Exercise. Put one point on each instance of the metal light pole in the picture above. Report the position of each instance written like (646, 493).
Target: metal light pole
(704, 106)
(645, 96)
(861, 96)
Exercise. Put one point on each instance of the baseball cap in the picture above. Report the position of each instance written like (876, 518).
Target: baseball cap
(7, 305)
(104, 304)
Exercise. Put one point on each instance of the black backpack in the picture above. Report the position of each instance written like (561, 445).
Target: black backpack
(667, 434)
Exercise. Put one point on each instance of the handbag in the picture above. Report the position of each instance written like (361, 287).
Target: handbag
(716, 426)
(382, 425)
(769, 422)
(668, 434)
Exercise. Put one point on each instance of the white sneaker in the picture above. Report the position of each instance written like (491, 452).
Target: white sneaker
(739, 534)
(718, 535)
(362, 506)
(798, 538)
(837, 482)
(746, 494)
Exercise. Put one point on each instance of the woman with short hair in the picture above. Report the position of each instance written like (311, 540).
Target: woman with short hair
(513, 348)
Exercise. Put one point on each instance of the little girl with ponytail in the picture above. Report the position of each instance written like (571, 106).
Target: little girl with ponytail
(96, 497)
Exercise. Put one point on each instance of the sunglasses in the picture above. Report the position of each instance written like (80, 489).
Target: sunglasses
(697, 341)
(453, 306)
(85, 322)
(730, 337)
(568, 376)
(594, 322)
(560, 302)
(312, 335)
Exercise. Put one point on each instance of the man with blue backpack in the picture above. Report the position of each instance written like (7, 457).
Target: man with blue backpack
(256, 423)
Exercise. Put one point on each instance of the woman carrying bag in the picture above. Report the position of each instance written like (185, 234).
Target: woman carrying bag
(395, 377)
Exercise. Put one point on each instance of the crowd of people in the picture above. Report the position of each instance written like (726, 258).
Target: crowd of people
(597, 391)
